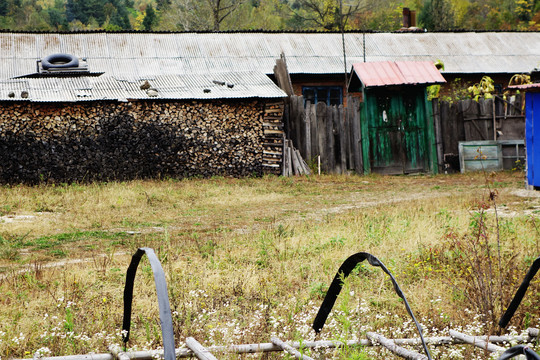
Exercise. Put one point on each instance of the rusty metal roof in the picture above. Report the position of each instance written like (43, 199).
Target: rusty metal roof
(387, 73)
(186, 86)
(534, 86)
(136, 53)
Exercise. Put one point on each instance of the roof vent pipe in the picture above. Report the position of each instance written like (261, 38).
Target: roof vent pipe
(412, 19)
(409, 18)
(406, 18)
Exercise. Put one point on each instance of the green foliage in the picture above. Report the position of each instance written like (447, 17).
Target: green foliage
(150, 18)
(437, 15)
(457, 90)
(433, 92)
(326, 14)
(483, 89)
(109, 14)
(3, 8)
(380, 15)
(194, 15)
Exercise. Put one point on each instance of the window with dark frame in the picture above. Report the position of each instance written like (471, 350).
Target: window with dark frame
(331, 95)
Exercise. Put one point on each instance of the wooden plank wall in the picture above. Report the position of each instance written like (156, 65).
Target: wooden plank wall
(329, 133)
(333, 132)
(468, 120)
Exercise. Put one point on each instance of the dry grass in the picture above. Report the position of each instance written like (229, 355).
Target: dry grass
(245, 258)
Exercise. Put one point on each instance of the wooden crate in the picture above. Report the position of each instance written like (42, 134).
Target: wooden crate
(483, 155)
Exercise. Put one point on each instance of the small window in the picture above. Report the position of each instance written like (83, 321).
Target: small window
(331, 95)
(309, 95)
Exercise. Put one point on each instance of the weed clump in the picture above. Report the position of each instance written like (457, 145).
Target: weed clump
(483, 265)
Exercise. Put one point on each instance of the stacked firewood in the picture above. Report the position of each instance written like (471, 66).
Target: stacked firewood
(89, 141)
(273, 137)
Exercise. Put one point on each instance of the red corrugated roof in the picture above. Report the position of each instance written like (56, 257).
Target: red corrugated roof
(533, 86)
(385, 73)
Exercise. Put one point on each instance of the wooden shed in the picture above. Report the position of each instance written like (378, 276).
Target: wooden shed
(396, 118)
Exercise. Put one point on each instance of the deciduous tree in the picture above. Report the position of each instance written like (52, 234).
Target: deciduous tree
(437, 15)
(327, 14)
(221, 9)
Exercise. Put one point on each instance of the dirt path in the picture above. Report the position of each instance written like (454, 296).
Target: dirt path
(315, 208)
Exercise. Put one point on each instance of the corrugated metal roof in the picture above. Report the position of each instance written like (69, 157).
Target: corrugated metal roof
(386, 73)
(186, 86)
(534, 86)
(121, 54)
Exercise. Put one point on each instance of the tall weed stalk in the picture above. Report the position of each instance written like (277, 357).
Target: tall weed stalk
(474, 262)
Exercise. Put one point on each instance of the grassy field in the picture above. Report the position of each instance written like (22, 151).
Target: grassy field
(247, 259)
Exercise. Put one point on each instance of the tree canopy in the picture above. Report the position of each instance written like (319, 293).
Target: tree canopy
(216, 15)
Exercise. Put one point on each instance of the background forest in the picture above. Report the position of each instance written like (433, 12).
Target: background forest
(221, 15)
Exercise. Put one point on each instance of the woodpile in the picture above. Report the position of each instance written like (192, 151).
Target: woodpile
(273, 137)
(88, 141)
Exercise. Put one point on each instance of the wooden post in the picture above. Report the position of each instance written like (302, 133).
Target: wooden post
(289, 349)
(287, 116)
(343, 138)
(293, 119)
(349, 131)
(314, 130)
(289, 159)
(398, 350)
(331, 114)
(307, 126)
(322, 134)
(201, 352)
(296, 166)
(357, 139)
(438, 134)
(282, 75)
(284, 157)
(302, 167)
(336, 152)
(494, 118)
(299, 121)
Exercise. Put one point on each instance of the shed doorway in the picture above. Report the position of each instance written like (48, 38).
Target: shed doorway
(397, 131)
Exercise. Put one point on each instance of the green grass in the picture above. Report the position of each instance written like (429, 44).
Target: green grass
(250, 258)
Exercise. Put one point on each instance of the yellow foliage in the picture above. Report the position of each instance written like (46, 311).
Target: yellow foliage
(484, 88)
(519, 79)
(137, 22)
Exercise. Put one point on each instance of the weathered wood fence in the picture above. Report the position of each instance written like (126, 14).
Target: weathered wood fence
(468, 120)
(329, 132)
(332, 133)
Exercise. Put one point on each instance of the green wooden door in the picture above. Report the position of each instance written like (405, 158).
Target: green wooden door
(396, 128)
